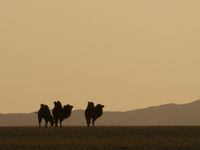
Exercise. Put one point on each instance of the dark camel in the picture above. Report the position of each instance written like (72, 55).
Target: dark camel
(93, 113)
(60, 113)
(44, 113)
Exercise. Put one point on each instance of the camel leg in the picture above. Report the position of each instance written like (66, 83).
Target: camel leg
(61, 122)
(56, 122)
(46, 122)
(93, 120)
(39, 121)
(88, 122)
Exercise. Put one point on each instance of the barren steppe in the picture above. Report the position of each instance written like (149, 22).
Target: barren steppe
(101, 138)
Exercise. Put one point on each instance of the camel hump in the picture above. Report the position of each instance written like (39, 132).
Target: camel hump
(90, 105)
(57, 104)
(42, 105)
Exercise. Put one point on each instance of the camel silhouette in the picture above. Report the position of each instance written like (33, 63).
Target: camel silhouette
(93, 113)
(89, 113)
(44, 113)
(98, 112)
(60, 113)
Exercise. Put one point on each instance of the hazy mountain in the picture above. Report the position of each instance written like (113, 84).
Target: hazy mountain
(169, 114)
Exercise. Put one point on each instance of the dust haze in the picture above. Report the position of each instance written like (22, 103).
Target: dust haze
(123, 54)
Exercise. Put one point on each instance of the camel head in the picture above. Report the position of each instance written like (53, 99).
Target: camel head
(99, 106)
(67, 109)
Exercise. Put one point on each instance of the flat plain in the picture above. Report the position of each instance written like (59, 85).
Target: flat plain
(101, 138)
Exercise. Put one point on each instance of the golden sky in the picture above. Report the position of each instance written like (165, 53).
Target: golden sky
(125, 54)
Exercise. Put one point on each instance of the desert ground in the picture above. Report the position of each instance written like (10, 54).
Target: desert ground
(101, 138)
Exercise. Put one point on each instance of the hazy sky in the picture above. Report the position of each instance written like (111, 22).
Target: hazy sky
(125, 54)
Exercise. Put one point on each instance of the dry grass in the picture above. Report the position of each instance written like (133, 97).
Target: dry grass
(100, 138)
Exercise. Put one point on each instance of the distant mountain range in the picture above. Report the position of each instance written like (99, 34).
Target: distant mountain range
(169, 114)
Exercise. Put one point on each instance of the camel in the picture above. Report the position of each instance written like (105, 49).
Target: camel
(60, 113)
(93, 113)
(44, 113)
